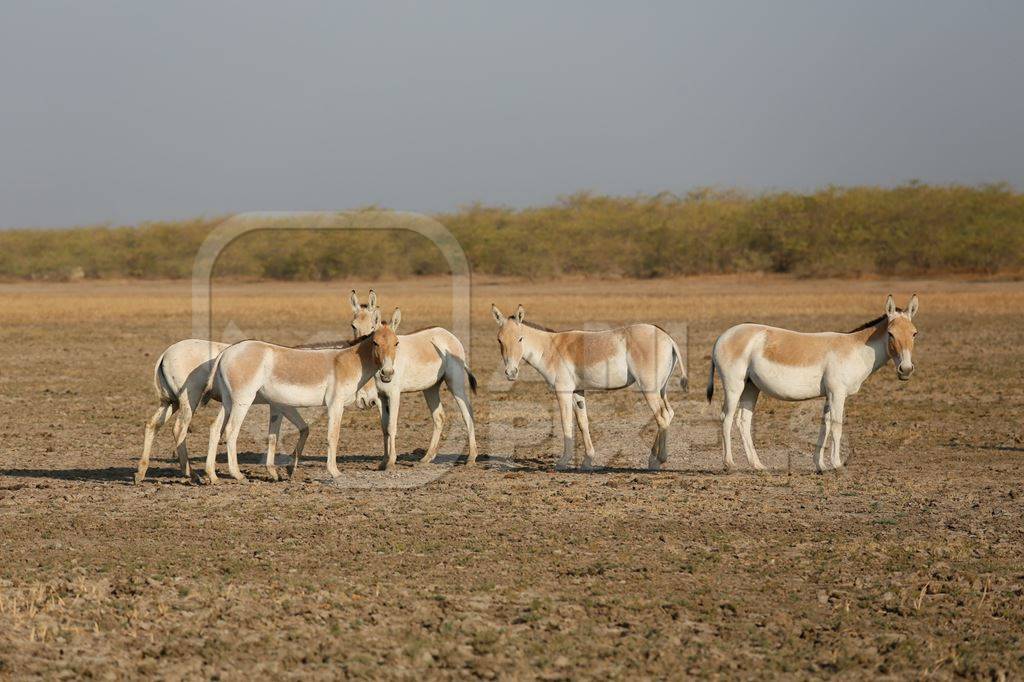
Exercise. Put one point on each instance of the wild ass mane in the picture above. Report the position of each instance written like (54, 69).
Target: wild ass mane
(322, 345)
(534, 325)
(872, 323)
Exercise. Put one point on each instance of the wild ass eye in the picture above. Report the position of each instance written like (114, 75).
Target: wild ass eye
(520, 339)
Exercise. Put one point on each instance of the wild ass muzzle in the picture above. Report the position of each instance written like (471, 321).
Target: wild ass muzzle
(183, 370)
(789, 365)
(573, 362)
(421, 361)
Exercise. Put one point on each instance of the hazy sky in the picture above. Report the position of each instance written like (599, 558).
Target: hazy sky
(123, 111)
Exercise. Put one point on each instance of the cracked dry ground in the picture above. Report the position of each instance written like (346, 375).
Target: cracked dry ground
(908, 564)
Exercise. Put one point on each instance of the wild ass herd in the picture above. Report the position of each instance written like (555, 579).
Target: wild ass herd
(379, 364)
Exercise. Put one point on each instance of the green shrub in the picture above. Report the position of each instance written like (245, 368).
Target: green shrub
(909, 230)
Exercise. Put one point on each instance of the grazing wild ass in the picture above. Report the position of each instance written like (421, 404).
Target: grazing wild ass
(751, 358)
(183, 369)
(251, 372)
(421, 361)
(574, 361)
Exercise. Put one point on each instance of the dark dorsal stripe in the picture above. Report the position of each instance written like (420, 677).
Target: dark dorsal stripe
(533, 325)
(321, 345)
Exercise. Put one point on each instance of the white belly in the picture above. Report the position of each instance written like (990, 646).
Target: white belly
(418, 377)
(610, 374)
(313, 395)
(785, 382)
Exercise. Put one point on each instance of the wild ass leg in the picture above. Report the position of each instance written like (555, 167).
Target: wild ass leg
(211, 453)
(433, 397)
(823, 433)
(293, 415)
(670, 415)
(187, 402)
(732, 397)
(273, 436)
(158, 419)
(456, 381)
(837, 404)
(579, 406)
(390, 429)
(182, 451)
(568, 429)
(746, 417)
(385, 414)
(334, 412)
(663, 416)
(234, 425)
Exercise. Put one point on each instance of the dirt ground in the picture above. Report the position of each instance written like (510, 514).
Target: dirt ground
(911, 563)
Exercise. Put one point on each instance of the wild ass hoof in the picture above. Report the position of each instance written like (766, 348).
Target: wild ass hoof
(272, 474)
(563, 466)
(139, 478)
(385, 466)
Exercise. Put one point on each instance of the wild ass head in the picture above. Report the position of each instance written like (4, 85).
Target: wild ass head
(510, 339)
(362, 315)
(385, 345)
(901, 331)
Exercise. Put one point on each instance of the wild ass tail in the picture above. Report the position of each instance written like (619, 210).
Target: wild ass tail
(711, 378)
(459, 352)
(164, 392)
(208, 389)
(684, 381)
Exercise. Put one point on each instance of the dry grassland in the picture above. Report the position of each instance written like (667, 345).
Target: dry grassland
(909, 564)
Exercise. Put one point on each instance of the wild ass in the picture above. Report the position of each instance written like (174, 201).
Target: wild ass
(182, 371)
(789, 365)
(421, 361)
(251, 372)
(573, 362)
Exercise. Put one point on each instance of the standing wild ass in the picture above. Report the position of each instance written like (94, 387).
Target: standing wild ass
(789, 365)
(422, 361)
(182, 371)
(251, 372)
(574, 361)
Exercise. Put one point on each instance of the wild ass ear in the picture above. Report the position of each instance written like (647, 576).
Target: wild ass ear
(376, 317)
(912, 307)
(353, 300)
(890, 306)
(396, 319)
(520, 314)
(372, 303)
(498, 317)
